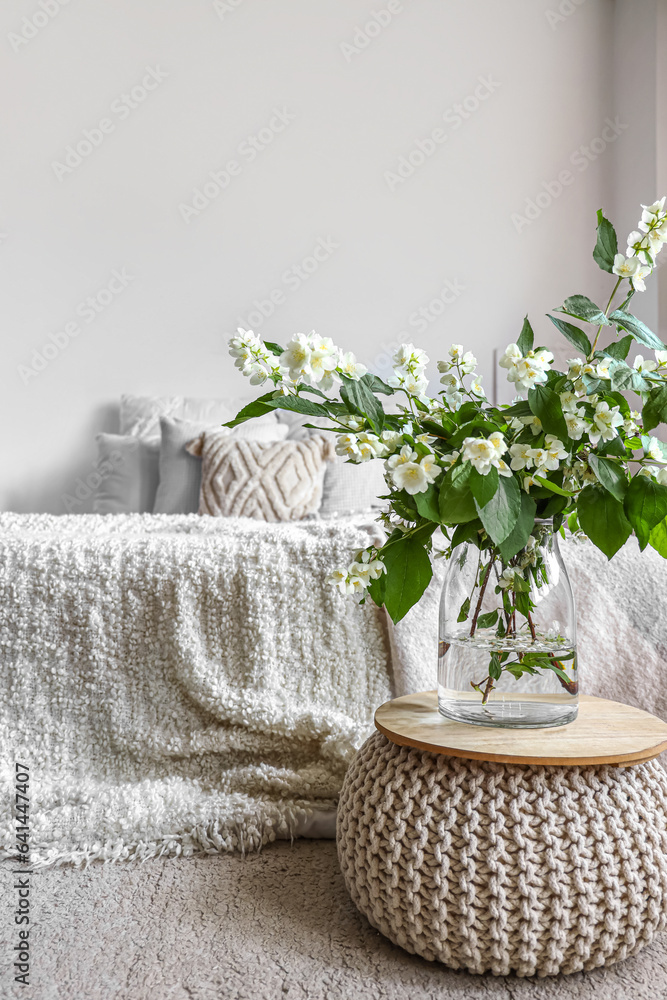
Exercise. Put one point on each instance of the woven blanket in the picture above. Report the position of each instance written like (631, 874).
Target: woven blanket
(179, 684)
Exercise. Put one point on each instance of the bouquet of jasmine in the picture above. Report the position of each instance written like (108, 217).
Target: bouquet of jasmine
(569, 448)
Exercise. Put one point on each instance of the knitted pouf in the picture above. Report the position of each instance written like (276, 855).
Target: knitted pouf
(505, 868)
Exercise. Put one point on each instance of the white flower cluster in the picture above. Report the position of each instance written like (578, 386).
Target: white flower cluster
(363, 446)
(526, 371)
(409, 366)
(407, 471)
(307, 360)
(358, 575)
(252, 357)
(485, 453)
(453, 371)
(315, 361)
(644, 245)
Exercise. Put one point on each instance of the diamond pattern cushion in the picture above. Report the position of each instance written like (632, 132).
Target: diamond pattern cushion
(271, 481)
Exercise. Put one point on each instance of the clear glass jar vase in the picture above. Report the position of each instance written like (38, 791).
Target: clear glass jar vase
(508, 654)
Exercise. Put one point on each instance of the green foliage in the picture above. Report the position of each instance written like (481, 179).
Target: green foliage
(463, 612)
(501, 513)
(606, 247)
(483, 487)
(638, 330)
(624, 378)
(457, 503)
(520, 533)
(362, 401)
(618, 349)
(526, 337)
(572, 333)
(488, 620)
(375, 384)
(645, 507)
(428, 504)
(603, 519)
(655, 408)
(274, 348)
(545, 404)
(258, 407)
(408, 575)
(581, 307)
(658, 538)
(613, 477)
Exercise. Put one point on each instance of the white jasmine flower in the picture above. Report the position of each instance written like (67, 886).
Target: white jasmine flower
(468, 363)
(454, 400)
(430, 467)
(444, 366)
(625, 267)
(450, 382)
(367, 567)
(602, 369)
(484, 452)
(406, 454)
(411, 477)
(661, 477)
(556, 452)
(353, 422)
(522, 457)
(476, 386)
(534, 423)
(526, 371)
(540, 457)
(638, 278)
(605, 422)
(450, 459)
(349, 366)
(644, 366)
(347, 447)
(338, 579)
(568, 402)
(649, 471)
(661, 357)
(416, 385)
(370, 447)
(507, 578)
(654, 450)
(296, 357)
(630, 425)
(409, 358)
(456, 352)
(503, 468)
(391, 439)
(575, 423)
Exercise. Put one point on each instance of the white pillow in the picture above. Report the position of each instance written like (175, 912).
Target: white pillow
(140, 415)
(180, 472)
(351, 489)
(129, 482)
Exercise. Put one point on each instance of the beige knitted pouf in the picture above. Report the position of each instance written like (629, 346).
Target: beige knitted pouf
(505, 868)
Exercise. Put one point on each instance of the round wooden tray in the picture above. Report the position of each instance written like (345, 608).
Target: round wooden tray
(604, 732)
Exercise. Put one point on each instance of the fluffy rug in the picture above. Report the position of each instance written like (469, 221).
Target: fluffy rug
(179, 684)
(272, 926)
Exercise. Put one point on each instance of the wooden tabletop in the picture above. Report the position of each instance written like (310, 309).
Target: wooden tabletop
(604, 732)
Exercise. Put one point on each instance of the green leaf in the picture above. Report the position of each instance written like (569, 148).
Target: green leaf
(483, 487)
(523, 603)
(427, 503)
(647, 441)
(526, 337)
(408, 575)
(558, 670)
(637, 329)
(552, 487)
(658, 538)
(619, 348)
(361, 400)
(572, 333)
(298, 404)
(486, 621)
(500, 514)
(376, 384)
(606, 247)
(612, 476)
(457, 503)
(467, 532)
(518, 669)
(655, 409)
(257, 408)
(545, 404)
(624, 378)
(465, 608)
(495, 668)
(376, 590)
(520, 533)
(581, 307)
(274, 348)
(520, 409)
(603, 519)
(645, 507)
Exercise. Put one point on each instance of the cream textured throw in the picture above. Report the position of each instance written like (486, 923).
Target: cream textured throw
(269, 480)
(181, 683)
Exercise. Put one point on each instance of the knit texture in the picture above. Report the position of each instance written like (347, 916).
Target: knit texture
(505, 868)
(178, 684)
(272, 481)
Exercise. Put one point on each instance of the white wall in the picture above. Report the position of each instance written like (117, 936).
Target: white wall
(323, 177)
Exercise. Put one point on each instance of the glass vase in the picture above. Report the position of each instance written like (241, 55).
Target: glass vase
(507, 654)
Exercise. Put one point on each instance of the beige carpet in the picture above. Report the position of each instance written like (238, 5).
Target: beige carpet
(271, 926)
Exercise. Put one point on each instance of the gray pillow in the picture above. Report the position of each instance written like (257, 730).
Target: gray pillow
(129, 469)
(180, 472)
(350, 489)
